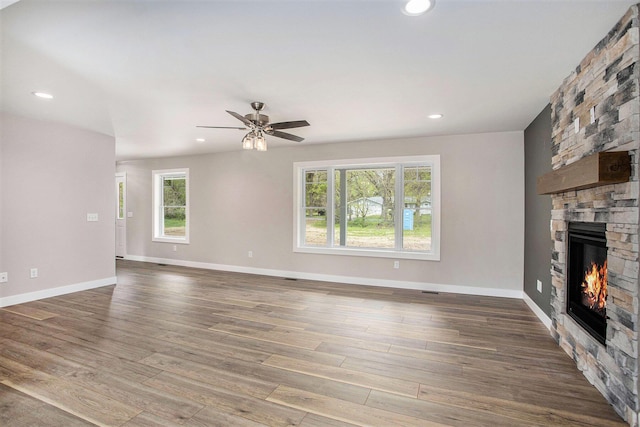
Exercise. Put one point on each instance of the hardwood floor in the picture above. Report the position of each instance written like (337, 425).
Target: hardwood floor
(173, 346)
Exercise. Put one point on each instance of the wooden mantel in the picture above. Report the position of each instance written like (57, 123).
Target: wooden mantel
(598, 169)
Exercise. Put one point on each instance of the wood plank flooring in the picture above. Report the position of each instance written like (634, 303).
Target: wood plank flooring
(172, 346)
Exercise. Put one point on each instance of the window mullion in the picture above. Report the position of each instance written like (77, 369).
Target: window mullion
(343, 207)
(399, 206)
(330, 207)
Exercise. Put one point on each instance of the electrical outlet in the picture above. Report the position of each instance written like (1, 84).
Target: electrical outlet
(175, 248)
(4, 277)
(250, 254)
(539, 286)
(396, 264)
(33, 273)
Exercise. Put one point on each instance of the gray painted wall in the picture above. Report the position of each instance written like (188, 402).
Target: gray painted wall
(243, 201)
(53, 175)
(537, 214)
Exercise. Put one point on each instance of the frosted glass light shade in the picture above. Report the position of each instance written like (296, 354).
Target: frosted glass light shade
(261, 143)
(247, 141)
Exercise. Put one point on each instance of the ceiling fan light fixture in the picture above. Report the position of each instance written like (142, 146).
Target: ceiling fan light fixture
(247, 141)
(260, 142)
(418, 7)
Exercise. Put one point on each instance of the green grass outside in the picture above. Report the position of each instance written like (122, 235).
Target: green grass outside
(174, 222)
(175, 227)
(372, 227)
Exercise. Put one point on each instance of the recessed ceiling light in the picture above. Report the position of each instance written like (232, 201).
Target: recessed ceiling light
(200, 139)
(418, 7)
(435, 116)
(42, 95)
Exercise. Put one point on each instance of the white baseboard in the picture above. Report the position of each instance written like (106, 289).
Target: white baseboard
(54, 292)
(421, 286)
(537, 311)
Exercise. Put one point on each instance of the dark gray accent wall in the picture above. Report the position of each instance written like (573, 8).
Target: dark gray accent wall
(537, 211)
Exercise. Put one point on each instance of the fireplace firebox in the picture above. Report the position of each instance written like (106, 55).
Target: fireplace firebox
(587, 277)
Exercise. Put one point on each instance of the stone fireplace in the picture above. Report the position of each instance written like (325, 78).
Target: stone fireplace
(597, 109)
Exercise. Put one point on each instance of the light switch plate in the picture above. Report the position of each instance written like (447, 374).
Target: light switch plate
(92, 217)
(539, 286)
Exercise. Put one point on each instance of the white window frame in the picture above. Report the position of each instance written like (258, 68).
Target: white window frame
(330, 165)
(157, 208)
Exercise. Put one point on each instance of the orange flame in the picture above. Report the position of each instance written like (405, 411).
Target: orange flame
(594, 288)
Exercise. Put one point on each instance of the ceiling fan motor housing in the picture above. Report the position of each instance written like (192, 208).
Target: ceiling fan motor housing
(263, 119)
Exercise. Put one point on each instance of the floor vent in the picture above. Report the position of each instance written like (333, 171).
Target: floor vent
(431, 292)
(162, 265)
(290, 278)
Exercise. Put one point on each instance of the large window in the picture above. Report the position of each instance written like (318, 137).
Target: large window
(370, 207)
(171, 205)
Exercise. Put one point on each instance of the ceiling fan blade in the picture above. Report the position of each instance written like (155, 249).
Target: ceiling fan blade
(285, 135)
(289, 125)
(241, 118)
(221, 127)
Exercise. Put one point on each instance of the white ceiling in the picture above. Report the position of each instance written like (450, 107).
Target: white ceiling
(147, 72)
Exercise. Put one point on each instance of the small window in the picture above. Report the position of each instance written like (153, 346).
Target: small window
(171, 206)
(120, 213)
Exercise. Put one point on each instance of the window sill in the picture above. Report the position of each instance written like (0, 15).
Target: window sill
(373, 253)
(174, 240)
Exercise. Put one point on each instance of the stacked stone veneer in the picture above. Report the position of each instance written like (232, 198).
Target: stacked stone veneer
(607, 78)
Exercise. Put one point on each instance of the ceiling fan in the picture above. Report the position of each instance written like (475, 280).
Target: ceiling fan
(258, 125)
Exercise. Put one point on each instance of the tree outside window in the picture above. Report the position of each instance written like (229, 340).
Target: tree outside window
(388, 207)
(171, 206)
